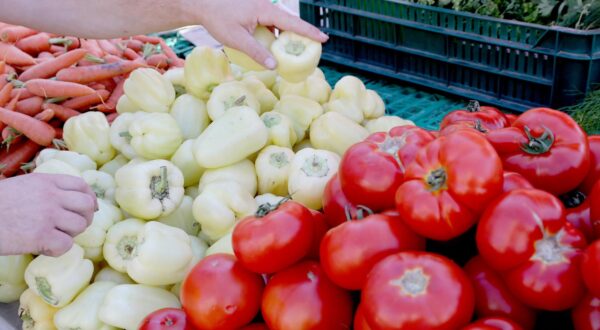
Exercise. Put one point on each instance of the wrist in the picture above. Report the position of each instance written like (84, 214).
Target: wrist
(191, 12)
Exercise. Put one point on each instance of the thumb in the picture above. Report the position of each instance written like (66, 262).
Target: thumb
(245, 42)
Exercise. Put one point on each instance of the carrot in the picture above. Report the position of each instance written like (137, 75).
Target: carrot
(5, 94)
(30, 106)
(110, 58)
(58, 132)
(21, 154)
(45, 115)
(92, 73)
(2, 66)
(53, 88)
(167, 50)
(56, 49)
(10, 136)
(85, 102)
(111, 117)
(178, 63)
(130, 54)
(92, 47)
(68, 43)
(109, 84)
(158, 61)
(15, 33)
(3, 80)
(111, 103)
(35, 44)
(148, 39)
(97, 86)
(109, 48)
(12, 104)
(45, 55)
(38, 131)
(135, 45)
(50, 68)
(13, 55)
(61, 112)
(23, 92)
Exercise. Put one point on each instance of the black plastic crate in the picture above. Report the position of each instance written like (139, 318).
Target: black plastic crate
(506, 63)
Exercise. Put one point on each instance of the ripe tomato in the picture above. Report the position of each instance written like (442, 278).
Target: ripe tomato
(320, 228)
(302, 297)
(594, 198)
(350, 250)
(547, 147)
(449, 185)
(417, 290)
(219, 293)
(511, 118)
(274, 238)
(577, 206)
(493, 298)
(335, 203)
(359, 320)
(371, 171)
(471, 125)
(513, 181)
(525, 237)
(494, 323)
(594, 172)
(489, 118)
(166, 319)
(590, 268)
(586, 315)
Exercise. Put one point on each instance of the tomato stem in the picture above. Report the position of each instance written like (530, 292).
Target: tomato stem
(538, 145)
(360, 212)
(479, 126)
(473, 106)
(437, 179)
(267, 208)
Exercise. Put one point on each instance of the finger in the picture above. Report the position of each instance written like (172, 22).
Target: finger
(73, 183)
(55, 244)
(80, 203)
(274, 15)
(246, 43)
(70, 223)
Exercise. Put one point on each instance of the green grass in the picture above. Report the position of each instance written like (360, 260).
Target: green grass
(587, 113)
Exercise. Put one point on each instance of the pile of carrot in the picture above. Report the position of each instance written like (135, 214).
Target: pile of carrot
(46, 79)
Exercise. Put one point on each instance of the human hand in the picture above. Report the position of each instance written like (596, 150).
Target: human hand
(41, 213)
(232, 22)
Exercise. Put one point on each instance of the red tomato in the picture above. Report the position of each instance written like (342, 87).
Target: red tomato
(219, 293)
(513, 181)
(577, 206)
(320, 228)
(359, 320)
(525, 237)
(474, 125)
(335, 203)
(449, 185)
(302, 297)
(493, 298)
(590, 268)
(594, 172)
(494, 323)
(417, 290)
(350, 250)
(274, 239)
(547, 147)
(594, 198)
(371, 171)
(489, 117)
(586, 315)
(511, 118)
(166, 319)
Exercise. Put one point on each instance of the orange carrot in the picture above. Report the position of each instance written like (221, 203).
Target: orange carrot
(109, 48)
(53, 88)
(10, 136)
(111, 103)
(135, 45)
(45, 115)
(68, 43)
(35, 43)
(9, 69)
(3, 80)
(23, 92)
(160, 61)
(178, 63)
(5, 94)
(58, 132)
(61, 112)
(2, 66)
(92, 73)
(109, 84)
(19, 155)
(130, 54)
(56, 49)
(148, 39)
(45, 55)
(13, 55)
(31, 106)
(167, 50)
(111, 117)
(12, 104)
(50, 68)
(15, 33)
(38, 131)
(92, 47)
(110, 58)
(85, 102)
(97, 86)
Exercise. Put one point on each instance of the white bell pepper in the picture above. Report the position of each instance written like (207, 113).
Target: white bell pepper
(126, 305)
(88, 134)
(348, 98)
(149, 90)
(220, 205)
(268, 198)
(237, 71)
(281, 129)
(120, 138)
(302, 145)
(265, 96)
(82, 313)
(301, 111)
(109, 274)
(155, 136)
(386, 123)
(103, 184)
(183, 217)
(264, 37)
(191, 115)
(151, 253)
(242, 172)
(57, 280)
(184, 159)
(373, 105)
(115, 164)
(268, 77)
(176, 76)
(124, 105)
(297, 56)
(93, 237)
(77, 160)
(223, 245)
(311, 170)
(35, 313)
(336, 132)
(236, 135)
(273, 169)
(229, 95)
(205, 69)
(55, 166)
(149, 189)
(315, 87)
(12, 281)
(199, 248)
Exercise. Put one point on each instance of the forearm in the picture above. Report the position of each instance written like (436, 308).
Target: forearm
(100, 19)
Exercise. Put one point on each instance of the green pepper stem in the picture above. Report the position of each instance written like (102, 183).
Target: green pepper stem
(61, 41)
(126, 135)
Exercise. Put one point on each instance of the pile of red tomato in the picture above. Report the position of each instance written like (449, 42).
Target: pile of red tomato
(491, 223)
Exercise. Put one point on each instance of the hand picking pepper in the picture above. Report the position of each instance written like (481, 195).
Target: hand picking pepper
(297, 56)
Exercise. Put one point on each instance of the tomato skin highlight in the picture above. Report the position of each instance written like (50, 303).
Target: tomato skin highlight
(494, 323)
(166, 319)
(586, 315)
(219, 293)
(590, 268)
(417, 290)
(593, 175)
(513, 181)
(525, 237)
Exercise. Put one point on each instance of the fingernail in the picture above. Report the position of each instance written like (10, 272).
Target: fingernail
(270, 63)
(324, 36)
